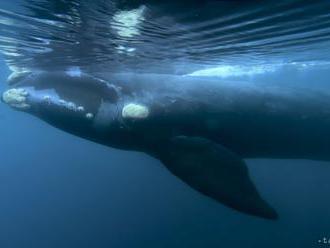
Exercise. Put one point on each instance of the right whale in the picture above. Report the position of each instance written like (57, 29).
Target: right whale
(200, 129)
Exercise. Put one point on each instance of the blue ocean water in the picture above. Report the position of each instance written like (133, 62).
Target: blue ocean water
(61, 191)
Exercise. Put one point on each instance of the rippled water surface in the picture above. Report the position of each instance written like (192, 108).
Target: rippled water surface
(165, 36)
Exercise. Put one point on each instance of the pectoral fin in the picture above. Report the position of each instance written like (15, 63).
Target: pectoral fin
(216, 172)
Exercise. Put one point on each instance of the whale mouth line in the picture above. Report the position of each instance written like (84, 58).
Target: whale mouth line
(27, 99)
(16, 98)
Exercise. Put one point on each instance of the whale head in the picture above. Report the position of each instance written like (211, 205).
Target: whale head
(69, 102)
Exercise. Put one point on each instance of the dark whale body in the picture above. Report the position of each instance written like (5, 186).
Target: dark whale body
(252, 121)
(201, 129)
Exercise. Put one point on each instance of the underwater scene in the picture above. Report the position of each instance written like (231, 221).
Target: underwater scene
(164, 124)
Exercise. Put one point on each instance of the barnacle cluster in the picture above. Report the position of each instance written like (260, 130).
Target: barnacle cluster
(135, 111)
(16, 98)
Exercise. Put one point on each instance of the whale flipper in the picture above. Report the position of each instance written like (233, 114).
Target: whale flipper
(216, 172)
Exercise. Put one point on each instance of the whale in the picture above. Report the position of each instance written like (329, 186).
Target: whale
(201, 129)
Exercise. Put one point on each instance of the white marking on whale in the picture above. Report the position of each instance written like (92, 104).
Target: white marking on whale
(16, 98)
(135, 111)
(89, 115)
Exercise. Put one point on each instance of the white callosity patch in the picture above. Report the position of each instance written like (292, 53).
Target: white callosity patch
(81, 109)
(127, 23)
(55, 100)
(47, 99)
(135, 111)
(52, 98)
(71, 106)
(16, 98)
(62, 102)
(89, 115)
